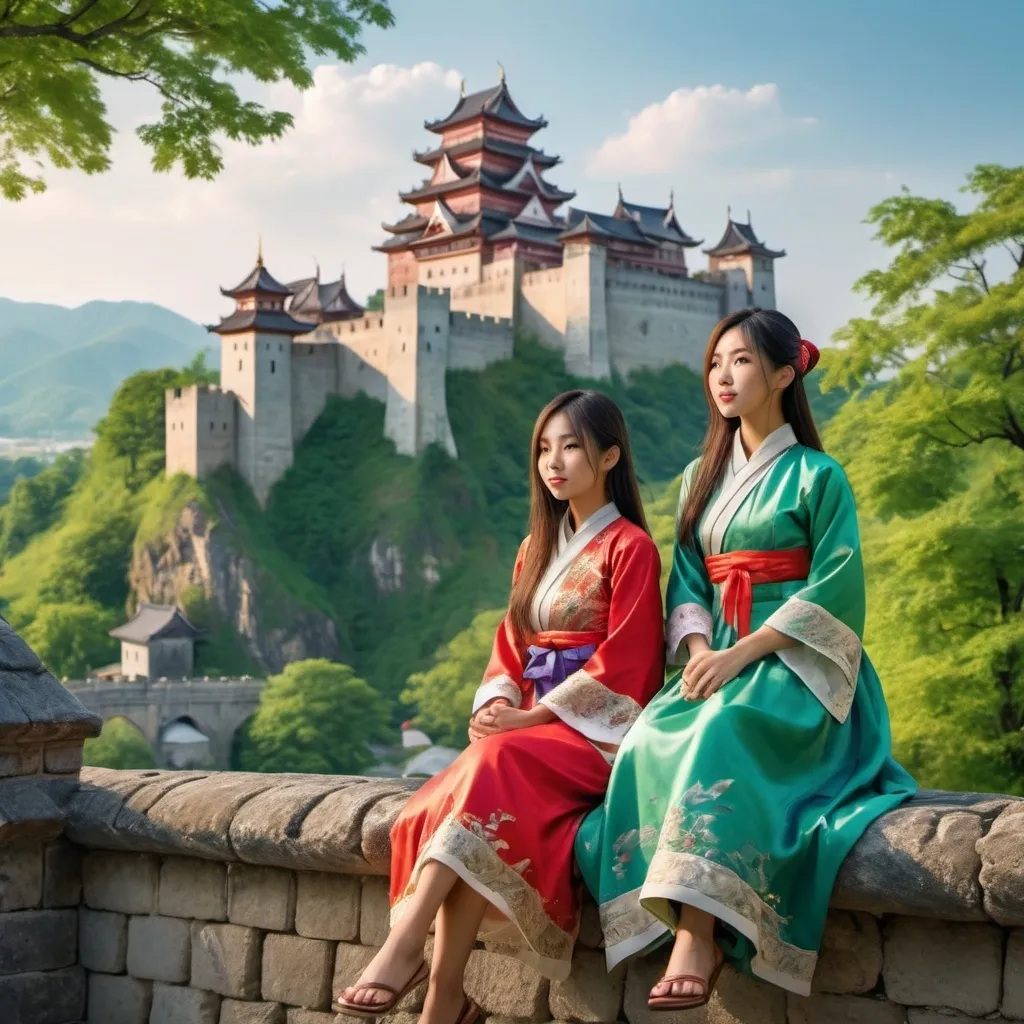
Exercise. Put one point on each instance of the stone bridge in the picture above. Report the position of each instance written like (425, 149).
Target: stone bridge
(216, 707)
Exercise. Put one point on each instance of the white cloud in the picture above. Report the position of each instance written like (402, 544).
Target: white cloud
(691, 123)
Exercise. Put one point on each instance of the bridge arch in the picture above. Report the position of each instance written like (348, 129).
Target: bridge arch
(184, 743)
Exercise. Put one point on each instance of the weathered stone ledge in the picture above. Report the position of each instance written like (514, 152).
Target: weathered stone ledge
(952, 856)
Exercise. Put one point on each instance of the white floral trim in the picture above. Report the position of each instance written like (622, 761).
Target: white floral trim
(699, 882)
(499, 686)
(685, 619)
(586, 704)
(471, 853)
(828, 660)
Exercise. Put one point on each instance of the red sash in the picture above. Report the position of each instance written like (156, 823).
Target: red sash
(738, 571)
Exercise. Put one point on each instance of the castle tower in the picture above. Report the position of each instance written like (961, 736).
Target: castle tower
(255, 364)
(745, 265)
(586, 321)
(485, 200)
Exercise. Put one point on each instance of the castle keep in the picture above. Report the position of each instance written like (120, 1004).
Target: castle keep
(483, 253)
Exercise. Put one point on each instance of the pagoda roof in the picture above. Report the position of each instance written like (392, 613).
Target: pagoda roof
(739, 239)
(331, 301)
(156, 622)
(528, 233)
(270, 321)
(485, 179)
(398, 242)
(657, 222)
(259, 280)
(518, 150)
(495, 103)
(411, 222)
(585, 222)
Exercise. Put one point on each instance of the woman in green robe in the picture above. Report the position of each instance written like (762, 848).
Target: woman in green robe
(747, 780)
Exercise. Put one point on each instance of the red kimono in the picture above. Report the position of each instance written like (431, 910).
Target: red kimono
(504, 815)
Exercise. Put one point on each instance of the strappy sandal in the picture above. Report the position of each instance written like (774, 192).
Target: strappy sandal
(469, 1012)
(694, 999)
(371, 1010)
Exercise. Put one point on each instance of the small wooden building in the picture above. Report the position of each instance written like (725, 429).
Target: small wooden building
(158, 641)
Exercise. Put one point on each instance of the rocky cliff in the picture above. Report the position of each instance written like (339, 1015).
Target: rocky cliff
(203, 554)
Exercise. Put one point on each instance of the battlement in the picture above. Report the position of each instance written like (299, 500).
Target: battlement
(200, 428)
(476, 340)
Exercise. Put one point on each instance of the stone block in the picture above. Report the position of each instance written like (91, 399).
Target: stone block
(1001, 878)
(506, 986)
(261, 897)
(828, 1009)
(176, 1004)
(21, 876)
(159, 948)
(590, 993)
(43, 997)
(918, 1015)
(327, 906)
(62, 874)
(374, 912)
(119, 999)
(63, 758)
(27, 812)
(312, 1017)
(23, 759)
(850, 958)
(298, 971)
(232, 1011)
(942, 963)
(738, 999)
(102, 940)
(226, 959)
(38, 940)
(193, 888)
(125, 882)
(1013, 977)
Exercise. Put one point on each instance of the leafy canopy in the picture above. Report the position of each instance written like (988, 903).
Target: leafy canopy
(54, 55)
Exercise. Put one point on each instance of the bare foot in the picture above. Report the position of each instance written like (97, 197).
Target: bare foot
(392, 966)
(691, 954)
(444, 1004)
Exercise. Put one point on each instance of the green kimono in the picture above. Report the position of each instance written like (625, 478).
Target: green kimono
(745, 804)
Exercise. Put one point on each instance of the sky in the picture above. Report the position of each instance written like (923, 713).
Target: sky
(804, 112)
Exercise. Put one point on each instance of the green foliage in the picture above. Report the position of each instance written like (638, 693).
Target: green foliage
(36, 503)
(119, 745)
(375, 302)
(53, 57)
(71, 639)
(443, 694)
(937, 455)
(12, 470)
(316, 716)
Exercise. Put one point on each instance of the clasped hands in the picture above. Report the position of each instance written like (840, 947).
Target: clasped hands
(500, 716)
(708, 671)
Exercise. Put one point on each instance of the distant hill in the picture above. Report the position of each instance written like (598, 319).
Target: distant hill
(59, 367)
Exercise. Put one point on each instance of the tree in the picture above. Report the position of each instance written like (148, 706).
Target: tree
(71, 639)
(936, 453)
(119, 745)
(36, 503)
(375, 302)
(316, 716)
(443, 695)
(54, 55)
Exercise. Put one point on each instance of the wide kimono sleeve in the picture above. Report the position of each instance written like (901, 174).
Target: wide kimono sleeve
(503, 676)
(827, 614)
(690, 595)
(605, 696)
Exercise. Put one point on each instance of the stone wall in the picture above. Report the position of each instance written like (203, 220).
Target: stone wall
(477, 341)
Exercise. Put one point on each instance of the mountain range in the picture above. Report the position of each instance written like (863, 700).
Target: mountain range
(59, 367)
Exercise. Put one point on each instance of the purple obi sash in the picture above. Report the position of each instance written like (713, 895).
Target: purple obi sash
(548, 668)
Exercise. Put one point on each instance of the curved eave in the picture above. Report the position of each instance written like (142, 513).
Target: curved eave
(454, 120)
(265, 321)
(747, 250)
(513, 150)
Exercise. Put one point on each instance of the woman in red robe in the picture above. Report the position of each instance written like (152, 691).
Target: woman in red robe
(485, 848)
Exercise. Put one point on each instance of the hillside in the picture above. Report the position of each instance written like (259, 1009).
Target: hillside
(61, 366)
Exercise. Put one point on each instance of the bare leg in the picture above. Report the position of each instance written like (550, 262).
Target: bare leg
(694, 952)
(458, 922)
(397, 960)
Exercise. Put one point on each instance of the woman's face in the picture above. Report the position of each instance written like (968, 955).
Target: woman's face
(562, 460)
(740, 379)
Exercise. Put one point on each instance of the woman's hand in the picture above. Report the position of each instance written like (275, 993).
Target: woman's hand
(484, 722)
(708, 671)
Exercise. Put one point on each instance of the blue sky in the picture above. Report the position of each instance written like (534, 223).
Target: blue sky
(805, 113)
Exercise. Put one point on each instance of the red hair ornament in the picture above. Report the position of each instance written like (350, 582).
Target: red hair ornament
(808, 358)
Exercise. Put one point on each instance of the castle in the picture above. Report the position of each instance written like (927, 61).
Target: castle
(482, 254)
